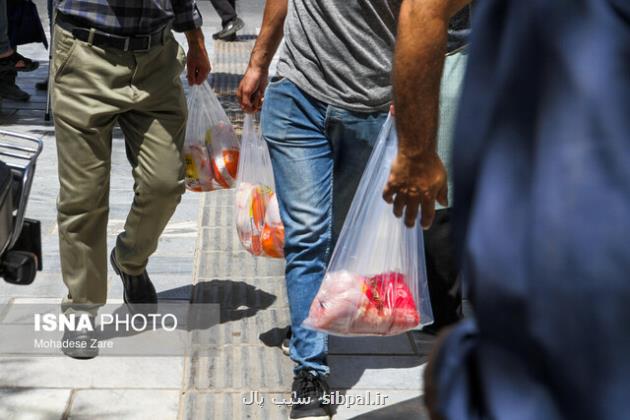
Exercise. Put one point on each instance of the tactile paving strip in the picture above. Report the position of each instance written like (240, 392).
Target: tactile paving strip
(249, 289)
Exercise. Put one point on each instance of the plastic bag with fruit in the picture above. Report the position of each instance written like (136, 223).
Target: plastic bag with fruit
(211, 148)
(258, 222)
(375, 283)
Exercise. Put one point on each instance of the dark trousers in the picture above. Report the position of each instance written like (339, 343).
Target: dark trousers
(226, 9)
(442, 271)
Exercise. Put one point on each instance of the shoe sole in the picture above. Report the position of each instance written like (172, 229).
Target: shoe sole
(230, 38)
(80, 355)
(311, 418)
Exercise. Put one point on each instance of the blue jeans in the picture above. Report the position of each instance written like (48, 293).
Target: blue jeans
(318, 152)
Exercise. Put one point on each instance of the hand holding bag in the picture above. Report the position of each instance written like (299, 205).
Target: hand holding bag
(376, 281)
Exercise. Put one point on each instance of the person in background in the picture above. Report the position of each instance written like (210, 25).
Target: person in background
(119, 64)
(43, 85)
(230, 22)
(428, 75)
(542, 198)
(321, 116)
(11, 62)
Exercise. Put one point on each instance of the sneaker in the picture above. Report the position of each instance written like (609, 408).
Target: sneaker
(228, 33)
(308, 402)
(13, 92)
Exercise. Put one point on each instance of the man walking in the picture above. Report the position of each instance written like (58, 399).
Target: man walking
(11, 61)
(320, 117)
(429, 66)
(118, 62)
(230, 22)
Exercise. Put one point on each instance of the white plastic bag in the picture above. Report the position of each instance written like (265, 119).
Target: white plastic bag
(375, 283)
(258, 222)
(211, 148)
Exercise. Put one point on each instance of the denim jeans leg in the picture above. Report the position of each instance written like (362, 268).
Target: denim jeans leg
(293, 125)
(353, 136)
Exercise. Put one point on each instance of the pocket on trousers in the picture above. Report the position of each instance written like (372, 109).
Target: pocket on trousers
(276, 80)
(180, 55)
(65, 47)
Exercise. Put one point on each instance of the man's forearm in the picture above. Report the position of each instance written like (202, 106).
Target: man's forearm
(270, 35)
(195, 37)
(418, 65)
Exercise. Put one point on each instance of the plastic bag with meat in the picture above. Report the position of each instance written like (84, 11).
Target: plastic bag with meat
(375, 283)
(211, 147)
(350, 304)
(258, 222)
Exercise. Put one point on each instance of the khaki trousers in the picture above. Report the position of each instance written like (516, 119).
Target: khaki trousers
(93, 89)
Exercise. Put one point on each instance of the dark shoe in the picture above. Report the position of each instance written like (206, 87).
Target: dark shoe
(228, 33)
(12, 92)
(43, 85)
(284, 346)
(138, 290)
(80, 344)
(18, 62)
(310, 391)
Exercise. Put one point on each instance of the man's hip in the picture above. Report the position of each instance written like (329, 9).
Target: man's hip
(89, 81)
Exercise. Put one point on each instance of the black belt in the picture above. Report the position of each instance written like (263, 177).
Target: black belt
(134, 43)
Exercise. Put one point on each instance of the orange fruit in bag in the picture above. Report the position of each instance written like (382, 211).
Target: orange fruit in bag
(230, 158)
(273, 241)
(217, 175)
(258, 207)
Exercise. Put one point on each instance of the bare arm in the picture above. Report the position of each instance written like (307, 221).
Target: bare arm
(251, 89)
(197, 61)
(418, 176)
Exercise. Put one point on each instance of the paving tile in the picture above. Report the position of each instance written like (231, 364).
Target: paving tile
(230, 405)
(218, 210)
(423, 343)
(128, 404)
(170, 286)
(244, 368)
(397, 345)
(33, 404)
(219, 198)
(376, 372)
(237, 264)
(380, 405)
(252, 327)
(46, 284)
(101, 372)
(220, 239)
(242, 293)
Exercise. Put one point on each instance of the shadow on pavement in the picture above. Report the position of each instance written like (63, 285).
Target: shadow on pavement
(238, 300)
(274, 337)
(408, 409)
